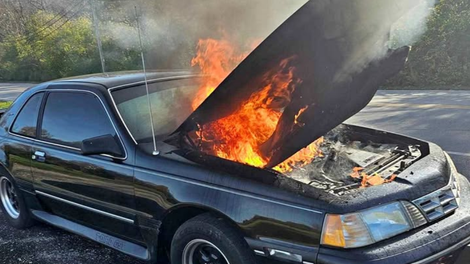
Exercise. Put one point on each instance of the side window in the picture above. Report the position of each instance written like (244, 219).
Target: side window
(71, 117)
(25, 123)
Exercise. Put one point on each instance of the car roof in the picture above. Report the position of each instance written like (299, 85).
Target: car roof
(115, 79)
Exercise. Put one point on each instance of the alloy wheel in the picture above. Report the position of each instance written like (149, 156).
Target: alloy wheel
(9, 198)
(200, 251)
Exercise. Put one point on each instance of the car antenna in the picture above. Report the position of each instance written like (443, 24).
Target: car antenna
(98, 36)
(155, 151)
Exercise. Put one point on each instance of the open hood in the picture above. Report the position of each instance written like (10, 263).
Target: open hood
(340, 57)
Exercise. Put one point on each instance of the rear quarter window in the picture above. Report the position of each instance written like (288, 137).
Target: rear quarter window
(26, 121)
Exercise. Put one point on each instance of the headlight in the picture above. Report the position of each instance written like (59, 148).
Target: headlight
(370, 226)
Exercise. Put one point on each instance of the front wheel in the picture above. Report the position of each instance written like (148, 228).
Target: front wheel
(13, 205)
(207, 239)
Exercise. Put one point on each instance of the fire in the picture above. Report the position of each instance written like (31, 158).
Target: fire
(238, 136)
(370, 180)
(297, 116)
(302, 157)
(355, 174)
(216, 59)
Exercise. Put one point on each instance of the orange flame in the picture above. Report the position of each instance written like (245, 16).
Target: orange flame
(216, 59)
(297, 116)
(303, 157)
(355, 174)
(238, 136)
(367, 180)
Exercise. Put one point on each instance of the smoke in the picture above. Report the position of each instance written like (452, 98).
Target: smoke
(172, 28)
(371, 27)
(55, 5)
(408, 29)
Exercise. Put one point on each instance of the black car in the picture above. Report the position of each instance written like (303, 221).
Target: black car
(124, 159)
(74, 154)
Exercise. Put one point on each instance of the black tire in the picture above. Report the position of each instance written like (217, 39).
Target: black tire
(24, 219)
(218, 233)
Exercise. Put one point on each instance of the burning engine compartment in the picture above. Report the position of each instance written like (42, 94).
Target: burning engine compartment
(280, 107)
(348, 159)
(349, 162)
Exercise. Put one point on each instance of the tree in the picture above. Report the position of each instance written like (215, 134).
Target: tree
(442, 56)
(65, 50)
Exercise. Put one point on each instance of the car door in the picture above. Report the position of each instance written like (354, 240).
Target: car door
(93, 190)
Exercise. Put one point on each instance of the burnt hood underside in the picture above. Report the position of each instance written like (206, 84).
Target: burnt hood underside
(321, 52)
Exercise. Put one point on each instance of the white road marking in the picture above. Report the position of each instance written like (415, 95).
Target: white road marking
(459, 153)
(419, 106)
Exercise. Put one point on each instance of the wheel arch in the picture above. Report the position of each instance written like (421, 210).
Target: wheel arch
(25, 186)
(180, 214)
(4, 169)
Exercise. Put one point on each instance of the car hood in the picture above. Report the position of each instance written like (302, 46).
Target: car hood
(338, 70)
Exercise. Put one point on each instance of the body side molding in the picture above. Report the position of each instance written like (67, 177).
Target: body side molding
(130, 221)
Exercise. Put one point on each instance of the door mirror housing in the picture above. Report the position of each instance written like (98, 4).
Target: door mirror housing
(102, 145)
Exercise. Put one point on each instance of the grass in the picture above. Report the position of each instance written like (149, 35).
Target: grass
(5, 104)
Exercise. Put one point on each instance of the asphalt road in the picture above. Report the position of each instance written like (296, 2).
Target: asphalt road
(438, 116)
(9, 91)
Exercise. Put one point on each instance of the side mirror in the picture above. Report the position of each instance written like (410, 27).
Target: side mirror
(106, 144)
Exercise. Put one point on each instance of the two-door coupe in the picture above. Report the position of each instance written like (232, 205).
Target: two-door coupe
(77, 154)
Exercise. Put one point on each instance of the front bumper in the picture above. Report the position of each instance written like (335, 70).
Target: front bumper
(425, 245)
(448, 256)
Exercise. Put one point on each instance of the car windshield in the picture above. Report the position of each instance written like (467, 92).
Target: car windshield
(170, 104)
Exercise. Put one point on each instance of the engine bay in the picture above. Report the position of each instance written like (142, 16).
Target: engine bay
(349, 163)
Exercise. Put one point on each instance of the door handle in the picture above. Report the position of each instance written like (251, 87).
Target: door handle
(39, 156)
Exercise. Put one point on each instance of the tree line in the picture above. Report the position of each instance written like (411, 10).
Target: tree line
(42, 40)
(49, 39)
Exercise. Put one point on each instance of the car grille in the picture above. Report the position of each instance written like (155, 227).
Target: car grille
(440, 203)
